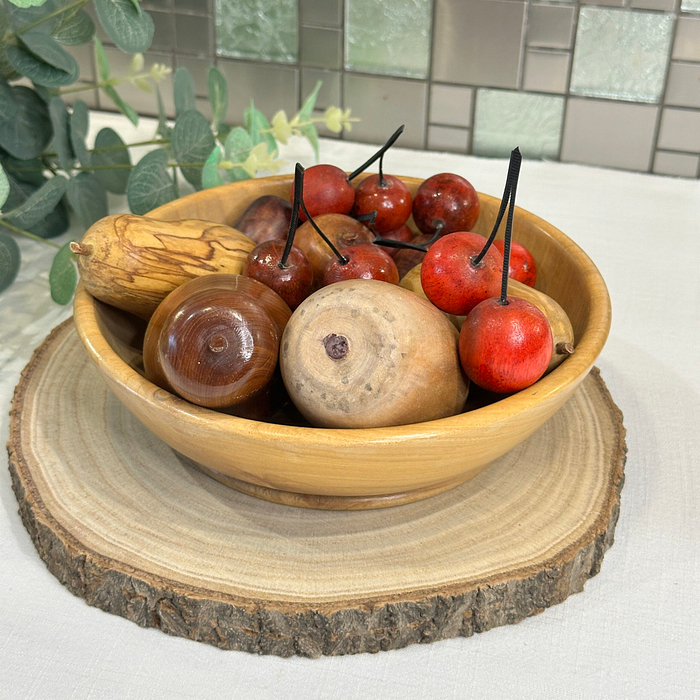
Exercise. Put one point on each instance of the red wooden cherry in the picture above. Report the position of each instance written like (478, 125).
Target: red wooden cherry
(328, 190)
(448, 198)
(522, 265)
(505, 348)
(386, 195)
(449, 278)
(363, 261)
(292, 282)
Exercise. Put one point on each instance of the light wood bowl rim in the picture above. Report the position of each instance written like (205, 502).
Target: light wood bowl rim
(588, 348)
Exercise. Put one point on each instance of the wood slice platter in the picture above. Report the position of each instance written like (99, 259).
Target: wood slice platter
(137, 530)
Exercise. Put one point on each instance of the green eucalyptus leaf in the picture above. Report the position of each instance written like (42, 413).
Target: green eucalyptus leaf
(211, 177)
(63, 276)
(310, 102)
(8, 106)
(183, 87)
(39, 204)
(238, 145)
(192, 143)
(46, 94)
(9, 260)
(218, 96)
(257, 124)
(129, 28)
(61, 136)
(135, 3)
(39, 71)
(28, 3)
(88, 198)
(27, 134)
(113, 152)
(75, 29)
(54, 223)
(21, 17)
(79, 125)
(4, 187)
(309, 130)
(29, 171)
(126, 109)
(48, 50)
(102, 60)
(149, 183)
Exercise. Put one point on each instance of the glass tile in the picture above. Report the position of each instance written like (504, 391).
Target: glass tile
(260, 29)
(690, 5)
(621, 54)
(388, 36)
(506, 119)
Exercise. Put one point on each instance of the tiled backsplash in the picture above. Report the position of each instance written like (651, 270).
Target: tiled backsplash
(607, 82)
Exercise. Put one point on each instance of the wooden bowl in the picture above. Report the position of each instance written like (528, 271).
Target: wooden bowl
(358, 468)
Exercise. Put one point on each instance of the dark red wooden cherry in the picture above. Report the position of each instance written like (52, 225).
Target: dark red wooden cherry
(450, 279)
(446, 198)
(363, 261)
(522, 265)
(293, 281)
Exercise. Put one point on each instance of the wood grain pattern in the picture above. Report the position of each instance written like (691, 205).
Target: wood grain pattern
(134, 262)
(362, 462)
(132, 527)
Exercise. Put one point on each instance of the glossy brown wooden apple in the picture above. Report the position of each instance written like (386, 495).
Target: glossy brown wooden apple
(341, 230)
(214, 341)
(266, 218)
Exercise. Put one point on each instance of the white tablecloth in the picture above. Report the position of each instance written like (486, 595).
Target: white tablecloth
(635, 630)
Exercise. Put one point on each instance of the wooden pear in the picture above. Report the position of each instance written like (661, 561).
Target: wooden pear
(365, 353)
(562, 330)
(133, 262)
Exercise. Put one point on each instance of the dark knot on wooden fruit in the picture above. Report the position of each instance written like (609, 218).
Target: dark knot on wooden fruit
(336, 346)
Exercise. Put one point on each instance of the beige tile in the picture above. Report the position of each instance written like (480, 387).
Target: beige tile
(686, 47)
(197, 7)
(163, 33)
(321, 48)
(679, 164)
(550, 26)
(321, 13)
(613, 134)
(89, 97)
(329, 94)
(272, 87)
(383, 104)
(683, 86)
(84, 55)
(668, 5)
(546, 71)
(447, 138)
(680, 130)
(192, 34)
(478, 42)
(451, 105)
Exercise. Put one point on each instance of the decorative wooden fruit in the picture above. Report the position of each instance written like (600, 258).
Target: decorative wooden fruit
(562, 330)
(341, 230)
(265, 219)
(215, 340)
(364, 353)
(133, 262)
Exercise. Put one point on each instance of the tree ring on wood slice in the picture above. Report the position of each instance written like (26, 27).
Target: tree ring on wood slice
(365, 354)
(125, 522)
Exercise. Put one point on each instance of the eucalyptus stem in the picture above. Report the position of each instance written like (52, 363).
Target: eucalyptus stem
(77, 4)
(26, 234)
